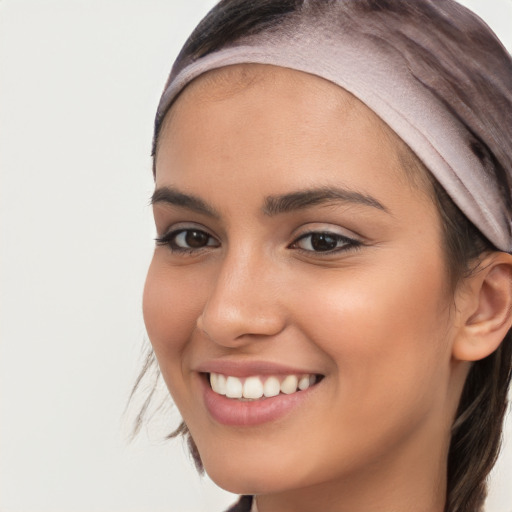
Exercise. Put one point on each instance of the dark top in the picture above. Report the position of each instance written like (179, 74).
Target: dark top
(244, 504)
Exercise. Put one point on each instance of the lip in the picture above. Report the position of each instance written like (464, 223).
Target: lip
(243, 369)
(238, 413)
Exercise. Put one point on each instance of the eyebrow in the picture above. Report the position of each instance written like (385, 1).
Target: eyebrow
(273, 205)
(190, 202)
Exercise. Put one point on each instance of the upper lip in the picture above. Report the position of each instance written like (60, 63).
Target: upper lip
(243, 369)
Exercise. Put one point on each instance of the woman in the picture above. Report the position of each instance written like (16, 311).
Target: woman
(329, 298)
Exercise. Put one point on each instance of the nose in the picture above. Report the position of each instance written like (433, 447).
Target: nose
(244, 302)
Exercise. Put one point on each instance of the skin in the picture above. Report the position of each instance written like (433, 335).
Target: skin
(376, 319)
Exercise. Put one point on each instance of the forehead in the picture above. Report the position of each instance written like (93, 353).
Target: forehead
(310, 95)
(310, 92)
(220, 83)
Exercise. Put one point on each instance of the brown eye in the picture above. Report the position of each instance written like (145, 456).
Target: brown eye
(188, 240)
(324, 242)
(194, 239)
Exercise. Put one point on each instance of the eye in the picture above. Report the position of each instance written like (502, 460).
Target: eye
(324, 241)
(187, 240)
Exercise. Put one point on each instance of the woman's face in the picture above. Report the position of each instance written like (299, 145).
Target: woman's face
(295, 250)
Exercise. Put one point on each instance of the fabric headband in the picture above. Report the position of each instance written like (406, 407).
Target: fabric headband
(381, 78)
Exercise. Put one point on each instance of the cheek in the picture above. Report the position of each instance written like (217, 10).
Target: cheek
(385, 333)
(171, 307)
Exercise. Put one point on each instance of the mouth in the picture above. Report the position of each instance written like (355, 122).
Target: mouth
(260, 387)
(254, 393)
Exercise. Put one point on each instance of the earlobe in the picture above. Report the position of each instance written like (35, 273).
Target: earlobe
(486, 310)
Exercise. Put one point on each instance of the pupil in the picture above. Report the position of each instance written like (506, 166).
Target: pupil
(196, 239)
(323, 242)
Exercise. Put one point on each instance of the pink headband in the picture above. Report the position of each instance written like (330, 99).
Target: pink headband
(381, 78)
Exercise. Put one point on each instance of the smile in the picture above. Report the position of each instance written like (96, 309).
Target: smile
(256, 387)
(258, 398)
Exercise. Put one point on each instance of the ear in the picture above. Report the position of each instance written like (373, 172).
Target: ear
(485, 303)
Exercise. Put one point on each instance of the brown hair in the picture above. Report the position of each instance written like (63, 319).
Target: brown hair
(460, 78)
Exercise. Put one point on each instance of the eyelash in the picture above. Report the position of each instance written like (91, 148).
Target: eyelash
(169, 240)
(347, 243)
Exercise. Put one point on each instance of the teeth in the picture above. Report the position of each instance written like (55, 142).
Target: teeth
(304, 383)
(289, 385)
(233, 387)
(221, 384)
(218, 383)
(271, 387)
(254, 388)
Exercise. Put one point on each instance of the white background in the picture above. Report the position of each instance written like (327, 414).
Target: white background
(79, 84)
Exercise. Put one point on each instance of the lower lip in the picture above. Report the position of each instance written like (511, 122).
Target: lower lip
(233, 412)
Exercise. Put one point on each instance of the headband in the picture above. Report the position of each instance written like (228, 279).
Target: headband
(379, 76)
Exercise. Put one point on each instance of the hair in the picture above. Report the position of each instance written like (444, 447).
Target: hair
(460, 79)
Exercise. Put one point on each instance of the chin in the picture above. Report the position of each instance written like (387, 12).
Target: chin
(259, 471)
(244, 475)
(245, 483)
